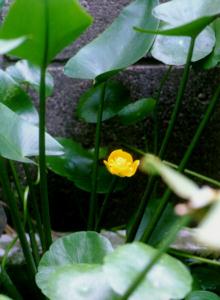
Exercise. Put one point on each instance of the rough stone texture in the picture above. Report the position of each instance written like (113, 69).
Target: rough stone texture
(142, 80)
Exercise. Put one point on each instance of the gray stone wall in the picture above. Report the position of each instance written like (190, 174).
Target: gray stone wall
(142, 79)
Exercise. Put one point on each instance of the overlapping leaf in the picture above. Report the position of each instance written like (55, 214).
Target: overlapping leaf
(118, 46)
(49, 26)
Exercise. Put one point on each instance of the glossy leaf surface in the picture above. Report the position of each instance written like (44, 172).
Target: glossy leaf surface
(7, 45)
(202, 295)
(39, 19)
(168, 279)
(116, 97)
(19, 138)
(137, 111)
(173, 50)
(73, 259)
(118, 46)
(16, 99)
(214, 58)
(24, 72)
(76, 165)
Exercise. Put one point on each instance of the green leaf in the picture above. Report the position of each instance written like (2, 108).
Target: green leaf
(3, 219)
(81, 282)
(16, 99)
(24, 72)
(3, 297)
(191, 29)
(173, 50)
(19, 138)
(118, 46)
(78, 248)
(62, 20)
(202, 295)
(214, 58)
(137, 111)
(76, 165)
(179, 12)
(168, 279)
(116, 97)
(7, 45)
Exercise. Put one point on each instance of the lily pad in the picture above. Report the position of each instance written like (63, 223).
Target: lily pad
(168, 279)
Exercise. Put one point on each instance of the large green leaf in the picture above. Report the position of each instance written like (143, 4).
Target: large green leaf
(73, 259)
(116, 97)
(214, 58)
(79, 282)
(76, 165)
(3, 297)
(173, 50)
(24, 72)
(61, 20)
(168, 279)
(118, 46)
(137, 111)
(202, 295)
(19, 138)
(179, 12)
(16, 99)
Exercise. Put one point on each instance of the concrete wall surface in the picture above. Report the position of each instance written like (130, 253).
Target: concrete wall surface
(142, 80)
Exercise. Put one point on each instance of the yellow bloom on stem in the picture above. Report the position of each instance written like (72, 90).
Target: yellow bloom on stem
(121, 163)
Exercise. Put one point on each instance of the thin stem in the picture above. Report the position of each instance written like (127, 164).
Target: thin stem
(155, 113)
(33, 241)
(200, 259)
(106, 202)
(179, 98)
(9, 286)
(93, 198)
(195, 174)
(149, 230)
(35, 207)
(9, 197)
(170, 238)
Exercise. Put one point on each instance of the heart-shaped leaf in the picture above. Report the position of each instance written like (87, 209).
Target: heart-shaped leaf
(76, 165)
(179, 12)
(202, 295)
(173, 50)
(24, 72)
(16, 99)
(19, 138)
(137, 111)
(214, 58)
(118, 46)
(168, 279)
(3, 219)
(60, 261)
(59, 22)
(116, 97)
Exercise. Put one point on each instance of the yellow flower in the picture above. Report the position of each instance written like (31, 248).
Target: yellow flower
(121, 163)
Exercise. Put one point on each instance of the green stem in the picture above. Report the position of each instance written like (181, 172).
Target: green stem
(35, 207)
(149, 230)
(26, 215)
(155, 113)
(8, 285)
(179, 98)
(200, 259)
(106, 202)
(9, 197)
(170, 238)
(194, 174)
(93, 198)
